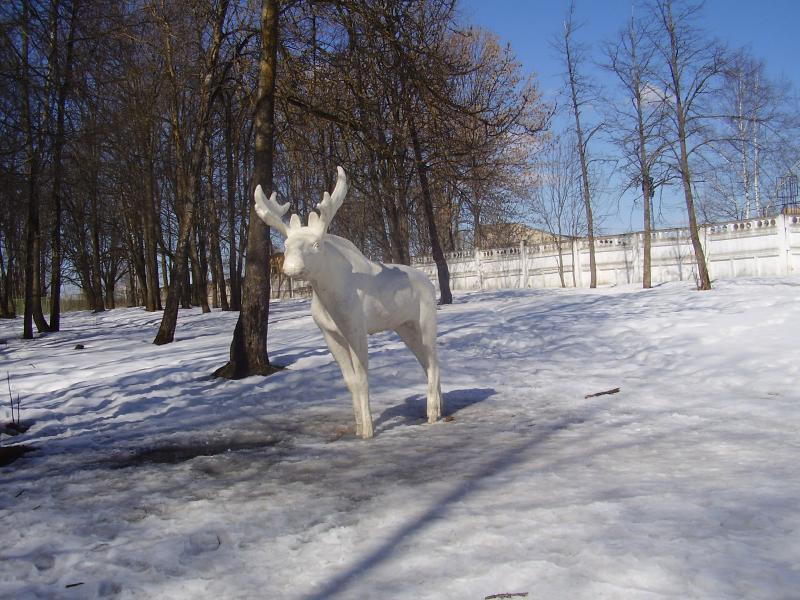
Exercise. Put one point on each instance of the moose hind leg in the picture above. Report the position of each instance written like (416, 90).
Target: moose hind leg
(422, 342)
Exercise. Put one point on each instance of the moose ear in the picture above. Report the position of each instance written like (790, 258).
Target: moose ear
(294, 222)
(313, 221)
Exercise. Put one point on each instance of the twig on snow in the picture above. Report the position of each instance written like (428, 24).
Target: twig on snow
(603, 393)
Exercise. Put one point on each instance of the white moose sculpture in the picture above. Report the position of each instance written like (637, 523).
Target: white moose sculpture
(354, 297)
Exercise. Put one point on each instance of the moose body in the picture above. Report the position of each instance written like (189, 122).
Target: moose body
(353, 297)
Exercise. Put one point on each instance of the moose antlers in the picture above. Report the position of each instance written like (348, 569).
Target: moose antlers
(330, 204)
(272, 213)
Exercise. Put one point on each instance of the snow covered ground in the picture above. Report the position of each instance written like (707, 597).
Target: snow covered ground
(152, 480)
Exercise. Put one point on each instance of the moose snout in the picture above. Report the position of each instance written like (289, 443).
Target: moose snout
(293, 267)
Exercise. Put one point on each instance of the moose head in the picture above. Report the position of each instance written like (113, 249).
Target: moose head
(353, 297)
(304, 245)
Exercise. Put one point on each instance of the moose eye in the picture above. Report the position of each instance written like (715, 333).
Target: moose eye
(316, 246)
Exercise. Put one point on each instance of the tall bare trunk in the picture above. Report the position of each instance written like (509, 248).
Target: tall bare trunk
(648, 236)
(230, 178)
(703, 278)
(33, 300)
(215, 252)
(199, 271)
(150, 220)
(248, 352)
(586, 194)
(647, 192)
(166, 331)
(445, 296)
(58, 146)
(97, 271)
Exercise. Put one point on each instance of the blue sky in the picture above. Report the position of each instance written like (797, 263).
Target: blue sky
(769, 28)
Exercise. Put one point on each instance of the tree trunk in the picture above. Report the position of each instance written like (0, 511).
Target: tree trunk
(230, 180)
(248, 352)
(703, 278)
(199, 272)
(150, 220)
(58, 146)
(166, 331)
(215, 252)
(445, 296)
(33, 302)
(587, 198)
(579, 134)
(647, 192)
(217, 271)
(5, 282)
(186, 282)
(648, 234)
(97, 286)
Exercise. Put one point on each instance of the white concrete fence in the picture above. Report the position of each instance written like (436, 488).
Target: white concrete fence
(751, 248)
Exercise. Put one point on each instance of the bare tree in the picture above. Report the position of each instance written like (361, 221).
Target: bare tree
(557, 202)
(638, 126)
(692, 65)
(190, 120)
(248, 354)
(580, 93)
(755, 139)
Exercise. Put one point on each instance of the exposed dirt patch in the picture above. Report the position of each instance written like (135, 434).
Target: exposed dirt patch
(15, 428)
(177, 453)
(8, 454)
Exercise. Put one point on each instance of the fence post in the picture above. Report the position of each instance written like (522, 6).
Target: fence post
(783, 244)
(577, 270)
(523, 256)
(478, 267)
(706, 244)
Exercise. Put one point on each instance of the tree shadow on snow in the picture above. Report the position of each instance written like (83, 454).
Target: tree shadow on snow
(439, 508)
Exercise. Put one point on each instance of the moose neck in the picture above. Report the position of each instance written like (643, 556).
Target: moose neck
(334, 275)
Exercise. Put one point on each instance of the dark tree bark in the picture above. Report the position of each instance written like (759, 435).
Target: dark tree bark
(58, 147)
(166, 331)
(199, 270)
(445, 296)
(97, 273)
(189, 159)
(6, 306)
(33, 289)
(230, 188)
(248, 353)
(150, 224)
(215, 252)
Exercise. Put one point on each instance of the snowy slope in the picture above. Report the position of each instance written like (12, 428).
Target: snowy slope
(152, 480)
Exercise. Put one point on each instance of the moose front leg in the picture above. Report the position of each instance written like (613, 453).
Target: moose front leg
(355, 377)
(360, 387)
